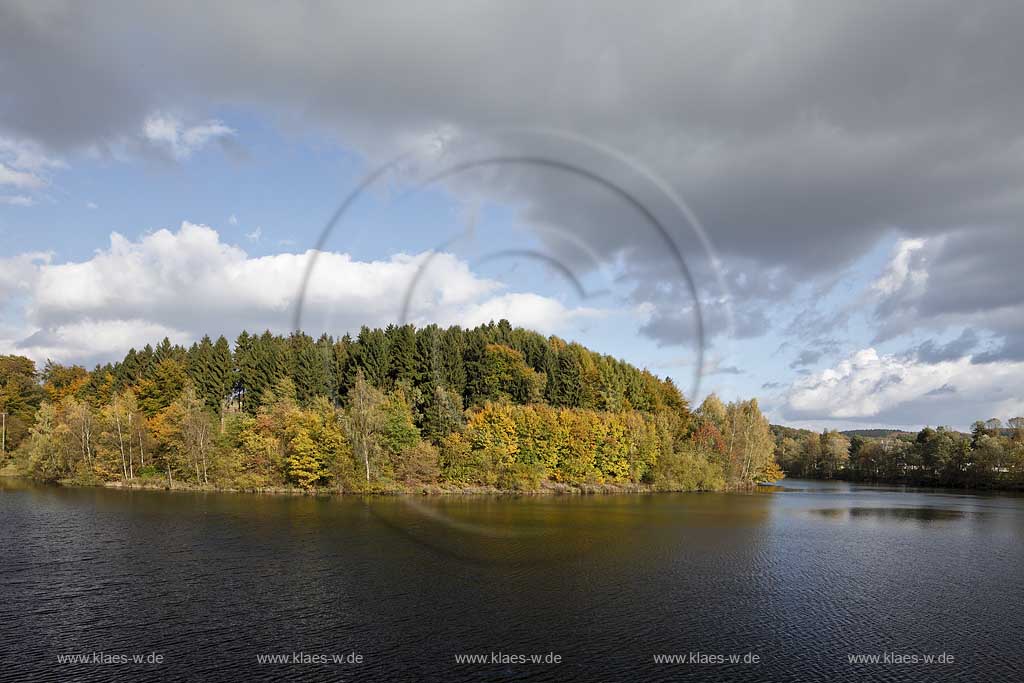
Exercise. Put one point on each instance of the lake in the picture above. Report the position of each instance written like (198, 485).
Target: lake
(783, 585)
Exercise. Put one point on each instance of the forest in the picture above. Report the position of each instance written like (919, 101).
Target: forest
(990, 457)
(395, 409)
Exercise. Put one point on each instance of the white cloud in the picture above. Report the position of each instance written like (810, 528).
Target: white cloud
(88, 341)
(255, 235)
(902, 271)
(92, 206)
(22, 167)
(180, 141)
(27, 155)
(17, 200)
(22, 180)
(233, 219)
(524, 309)
(187, 283)
(20, 273)
(968, 278)
(903, 390)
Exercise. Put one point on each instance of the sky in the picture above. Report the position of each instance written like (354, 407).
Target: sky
(817, 204)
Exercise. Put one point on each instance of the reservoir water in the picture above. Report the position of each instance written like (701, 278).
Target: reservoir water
(786, 584)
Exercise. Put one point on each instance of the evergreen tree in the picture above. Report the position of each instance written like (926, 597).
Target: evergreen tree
(268, 365)
(163, 351)
(401, 345)
(166, 384)
(129, 371)
(428, 367)
(20, 398)
(325, 351)
(371, 356)
(147, 361)
(568, 380)
(452, 359)
(222, 373)
(309, 369)
(474, 354)
(246, 372)
(200, 362)
(344, 367)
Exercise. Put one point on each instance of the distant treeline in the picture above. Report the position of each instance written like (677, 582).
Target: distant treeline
(991, 456)
(392, 408)
(874, 433)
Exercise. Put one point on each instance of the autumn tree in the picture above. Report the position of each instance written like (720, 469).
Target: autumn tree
(835, 453)
(189, 432)
(364, 420)
(20, 397)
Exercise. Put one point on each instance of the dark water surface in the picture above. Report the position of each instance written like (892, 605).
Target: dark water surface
(802, 577)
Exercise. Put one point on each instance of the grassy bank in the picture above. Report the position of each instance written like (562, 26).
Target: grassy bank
(546, 488)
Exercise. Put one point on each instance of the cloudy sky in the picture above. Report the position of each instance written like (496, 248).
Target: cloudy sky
(825, 197)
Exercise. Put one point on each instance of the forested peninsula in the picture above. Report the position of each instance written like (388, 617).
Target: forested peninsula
(399, 409)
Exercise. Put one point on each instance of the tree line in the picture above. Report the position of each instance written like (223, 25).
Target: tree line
(393, 408)
(991, 456)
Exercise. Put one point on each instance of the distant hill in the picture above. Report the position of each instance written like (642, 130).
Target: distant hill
(876, 433)
(781, 431)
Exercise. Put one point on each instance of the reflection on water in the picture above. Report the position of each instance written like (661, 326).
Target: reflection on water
(212, 580)
(893, 513)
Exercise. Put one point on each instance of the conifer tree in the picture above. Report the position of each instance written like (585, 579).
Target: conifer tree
(308, 369)
(244, 371)
(328, 364)
(200, 359)
(371, 356)
(344, 367)
(568, 389)
(401, 345)
(222, 373)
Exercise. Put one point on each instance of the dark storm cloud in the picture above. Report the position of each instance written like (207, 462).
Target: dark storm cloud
(930, 352)
(817, 349)
(1011, 349)
(944, 389)
(976, 275)
(975, 272)
(811, 322)
(671, 325)
(966, 277)
(799, 133)
(806, 357)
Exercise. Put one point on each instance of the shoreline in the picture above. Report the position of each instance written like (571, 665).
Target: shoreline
(911, 486)
(424, 490)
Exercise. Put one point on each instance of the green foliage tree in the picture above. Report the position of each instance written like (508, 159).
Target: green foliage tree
(363, 425)
(310, 369)
(370, 356)
(20, 398)
(835, 453)
(506, 376)
(60, 381)
(317, 448)
(397, 431)
(190, 434)
(159, 389)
